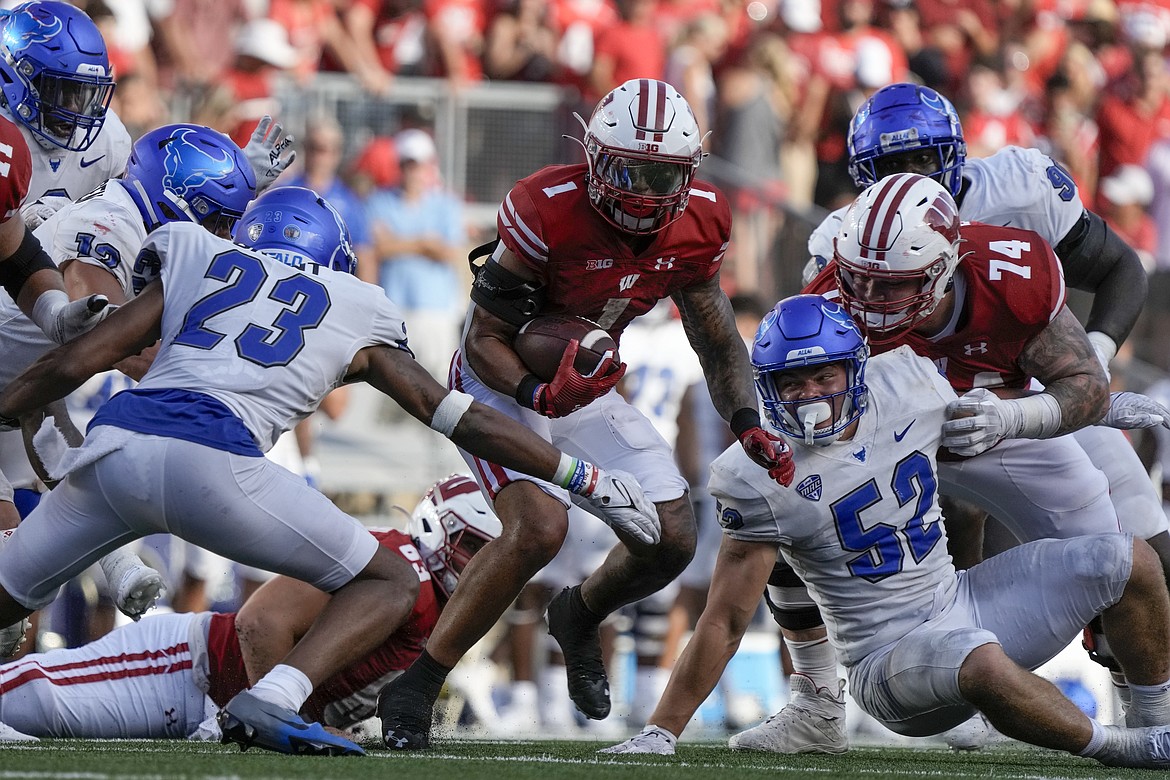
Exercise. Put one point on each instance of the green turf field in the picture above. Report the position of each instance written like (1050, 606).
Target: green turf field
(94, 760)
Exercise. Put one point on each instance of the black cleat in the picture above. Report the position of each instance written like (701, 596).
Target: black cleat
(406, 717)
(581, 645)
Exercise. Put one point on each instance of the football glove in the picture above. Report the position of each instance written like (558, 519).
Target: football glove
(623, 506)
(569, 391)
(1134, 410)
(266, 151)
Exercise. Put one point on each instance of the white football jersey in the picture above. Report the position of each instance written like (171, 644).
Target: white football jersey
(57, 172)
(860, 523)
(1016, 187)
(660, 366)
(267, 340)
(103, 229)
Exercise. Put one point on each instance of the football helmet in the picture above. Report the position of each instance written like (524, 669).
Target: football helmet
(55, 73)
(809, 330)
(296, 226)
(904, 228)
(449, 525)
(189, 173)
(902, 117)
(643, 147)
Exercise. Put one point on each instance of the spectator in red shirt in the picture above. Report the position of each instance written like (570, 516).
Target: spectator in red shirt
(631, 49)
(1135, 112)
(262, 52)
(1123, 200)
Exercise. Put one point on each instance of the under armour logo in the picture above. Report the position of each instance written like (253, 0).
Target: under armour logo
(170, 716)
(975, 349)
(662, 264)
(627, 282)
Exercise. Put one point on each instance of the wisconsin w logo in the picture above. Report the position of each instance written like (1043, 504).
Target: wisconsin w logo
(188, 164)
(627, 282)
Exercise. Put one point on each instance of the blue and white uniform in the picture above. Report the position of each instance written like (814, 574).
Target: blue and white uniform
(250, 346)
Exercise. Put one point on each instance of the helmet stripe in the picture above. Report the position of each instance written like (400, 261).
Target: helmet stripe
(643, 108)
(875, 236)
(660, 110)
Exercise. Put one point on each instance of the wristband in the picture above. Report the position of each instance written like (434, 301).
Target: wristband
(576, 475)
(1040, 416)
(526, 392)
(744, 420)
(450, 411)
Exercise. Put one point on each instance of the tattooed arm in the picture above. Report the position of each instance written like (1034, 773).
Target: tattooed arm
(1062, 358)
(709, 323)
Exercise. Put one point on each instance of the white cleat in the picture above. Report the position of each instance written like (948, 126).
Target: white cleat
(812, 722)
(134, 585)
(9, 734)
(650, 740)
(972, 734)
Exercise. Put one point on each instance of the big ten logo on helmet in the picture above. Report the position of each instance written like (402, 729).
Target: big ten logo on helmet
(645, 147)
(598, 263)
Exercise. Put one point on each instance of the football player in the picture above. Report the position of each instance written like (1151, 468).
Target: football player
(161, 677)
(991, 313)
(925, 646)
(252, 337)
(606, 240)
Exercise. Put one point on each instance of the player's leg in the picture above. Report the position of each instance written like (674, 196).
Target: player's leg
(813, 721)
(137, 682)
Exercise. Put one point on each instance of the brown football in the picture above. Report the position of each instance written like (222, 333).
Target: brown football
(541, 343)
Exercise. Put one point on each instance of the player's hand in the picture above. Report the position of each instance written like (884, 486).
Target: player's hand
(36, 212)
(270, 152)
(76, 317)
(623, 506)
(769, 452)
(978, 421)
(1134, 410)
(569, 391)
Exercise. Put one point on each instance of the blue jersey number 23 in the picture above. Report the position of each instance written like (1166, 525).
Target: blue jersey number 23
(880, 545)
(276, 345)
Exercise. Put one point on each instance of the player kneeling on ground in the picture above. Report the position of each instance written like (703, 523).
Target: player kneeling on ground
(925, 646)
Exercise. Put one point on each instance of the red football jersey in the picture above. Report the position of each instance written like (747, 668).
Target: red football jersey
(359, 681)
(1010, 286)
(588, 270)
(15, 169)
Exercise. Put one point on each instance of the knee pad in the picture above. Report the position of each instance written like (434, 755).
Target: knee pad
(788, 600)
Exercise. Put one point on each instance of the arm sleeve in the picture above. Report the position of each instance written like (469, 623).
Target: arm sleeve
(1097, 260)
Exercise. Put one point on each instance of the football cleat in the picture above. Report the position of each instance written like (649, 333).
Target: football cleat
(134, 585)
(581, 647)
(1144, 748)
(406, 716)
(972, 734)
(650, 740)
(813, 722)
(9, 734)
(248, 720)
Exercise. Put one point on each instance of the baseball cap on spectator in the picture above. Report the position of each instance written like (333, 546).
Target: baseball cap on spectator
(267, 41)
(378, 159)
(414, 145)
(1129, 184)
(802, 16)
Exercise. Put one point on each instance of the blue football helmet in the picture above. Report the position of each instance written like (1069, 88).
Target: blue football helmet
(900, 118)
(189, 173)
(55, 73)
(809, 330)
(297, 226)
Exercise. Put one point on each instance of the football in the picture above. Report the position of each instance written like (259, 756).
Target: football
(541, 343)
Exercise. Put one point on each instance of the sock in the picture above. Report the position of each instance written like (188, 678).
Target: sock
(524, 696)
(1149, 705)
(285, 686)
(816, 660)
(426, 674)
(556, 708)
(580, 610)
(1097, 741)
(115, 565)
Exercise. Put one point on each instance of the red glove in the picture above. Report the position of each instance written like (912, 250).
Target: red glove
(569, 391)
(770, 452)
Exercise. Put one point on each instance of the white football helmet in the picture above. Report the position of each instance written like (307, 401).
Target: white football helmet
(450, 524)
(643, 146)
(905, 227)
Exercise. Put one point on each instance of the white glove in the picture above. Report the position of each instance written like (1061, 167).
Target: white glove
(623, 506)
(63, 320)
(651, 739)
(39, 210)
(266, 151)
(978, 420)
(1134, 410)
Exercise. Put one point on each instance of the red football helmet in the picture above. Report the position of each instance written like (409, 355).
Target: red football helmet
(643, 146)
(450, 524)
(904, 228)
